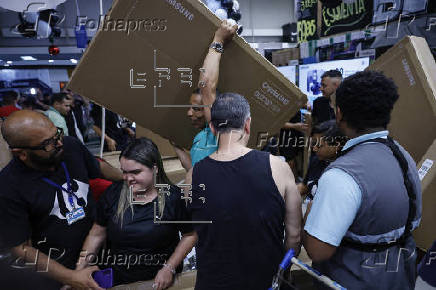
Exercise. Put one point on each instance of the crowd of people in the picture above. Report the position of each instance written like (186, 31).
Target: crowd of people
(242, 209)
(77, 116)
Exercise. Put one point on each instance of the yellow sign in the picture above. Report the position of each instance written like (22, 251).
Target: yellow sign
(304, 4)
(345, 10)
(306, 29)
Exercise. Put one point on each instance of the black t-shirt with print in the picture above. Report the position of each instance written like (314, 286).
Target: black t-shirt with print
(137, 250)
(30, 208)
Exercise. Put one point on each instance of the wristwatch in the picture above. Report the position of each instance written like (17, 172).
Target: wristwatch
(218, 46)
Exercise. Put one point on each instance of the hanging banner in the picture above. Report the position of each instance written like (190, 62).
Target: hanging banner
(307, 13)
(346, 17)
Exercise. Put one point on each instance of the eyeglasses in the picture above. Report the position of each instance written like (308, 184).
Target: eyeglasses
(197, 109)
(49, 144)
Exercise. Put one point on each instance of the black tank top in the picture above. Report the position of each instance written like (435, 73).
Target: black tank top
(243, 246)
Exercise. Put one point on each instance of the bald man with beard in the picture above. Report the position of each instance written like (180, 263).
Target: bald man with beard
(46, 210)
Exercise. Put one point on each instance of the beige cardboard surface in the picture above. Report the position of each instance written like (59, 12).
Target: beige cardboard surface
(411, 65)
(184, 281)
(425, 234)
(173, 40)
(172, 166)
(164, 146)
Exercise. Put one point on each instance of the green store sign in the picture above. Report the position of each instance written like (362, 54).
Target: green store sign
(346, 17)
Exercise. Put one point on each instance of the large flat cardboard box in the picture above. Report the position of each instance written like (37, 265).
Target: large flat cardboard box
(425, 234)
(145, 62)
(411, 65)
(166, 150)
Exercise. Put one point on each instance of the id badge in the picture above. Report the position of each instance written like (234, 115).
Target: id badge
(75, 215)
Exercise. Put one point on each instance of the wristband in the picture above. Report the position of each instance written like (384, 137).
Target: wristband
(217, 46)
(169, 267)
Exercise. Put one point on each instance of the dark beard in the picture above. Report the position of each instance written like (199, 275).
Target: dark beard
(54, 160)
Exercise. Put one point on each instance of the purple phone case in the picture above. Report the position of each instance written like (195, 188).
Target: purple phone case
(103, 278)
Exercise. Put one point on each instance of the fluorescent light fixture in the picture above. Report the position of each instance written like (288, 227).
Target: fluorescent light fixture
(9, 62)
(27, 57)
(6, 65)
(32, 91)
(50, 60)
(73, 60)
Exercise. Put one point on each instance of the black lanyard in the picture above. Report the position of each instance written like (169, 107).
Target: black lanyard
(404, 165)
(68, 189)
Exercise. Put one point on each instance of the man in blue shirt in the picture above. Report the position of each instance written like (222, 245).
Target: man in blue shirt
(205, 143)
(369, 200)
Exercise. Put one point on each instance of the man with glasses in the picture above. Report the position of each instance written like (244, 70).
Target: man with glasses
(204, 142)
(46, 210)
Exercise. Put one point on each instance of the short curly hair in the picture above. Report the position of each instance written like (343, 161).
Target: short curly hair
(366, 100)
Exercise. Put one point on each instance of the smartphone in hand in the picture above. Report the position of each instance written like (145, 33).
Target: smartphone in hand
(104, 278)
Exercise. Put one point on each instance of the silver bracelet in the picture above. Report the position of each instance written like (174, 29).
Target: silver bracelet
(170, 268)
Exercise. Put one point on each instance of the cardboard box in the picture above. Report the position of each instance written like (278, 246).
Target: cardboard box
(184, 281)
(172, 166)
(283, 56)
(425, 234)
(411, 65)
(145, 62)
(165, 148)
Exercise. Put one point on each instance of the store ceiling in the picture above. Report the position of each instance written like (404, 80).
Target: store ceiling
(13, 45)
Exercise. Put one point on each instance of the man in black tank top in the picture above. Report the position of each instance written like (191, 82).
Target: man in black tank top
(251, 200)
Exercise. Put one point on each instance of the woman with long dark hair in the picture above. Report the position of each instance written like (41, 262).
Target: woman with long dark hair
(131, 218)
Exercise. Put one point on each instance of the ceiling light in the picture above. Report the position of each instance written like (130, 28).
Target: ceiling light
(50, 60)
(9, 62)
(27, 57)
(73, 60)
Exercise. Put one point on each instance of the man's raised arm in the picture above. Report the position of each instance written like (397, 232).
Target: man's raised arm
(210, 70)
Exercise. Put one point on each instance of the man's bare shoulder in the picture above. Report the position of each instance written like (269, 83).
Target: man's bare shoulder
(279, 165)
(281, 172)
